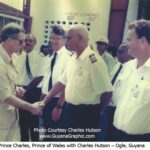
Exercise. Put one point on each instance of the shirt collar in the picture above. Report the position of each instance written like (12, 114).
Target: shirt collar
(84, 53)
(30, 53)
(60, 51)
(147, 63)
(135, 62)
(105, 53)
(5, 56)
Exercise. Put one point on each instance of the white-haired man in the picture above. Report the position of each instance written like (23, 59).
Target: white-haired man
(87, 86)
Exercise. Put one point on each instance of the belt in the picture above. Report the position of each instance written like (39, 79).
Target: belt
(69, 105)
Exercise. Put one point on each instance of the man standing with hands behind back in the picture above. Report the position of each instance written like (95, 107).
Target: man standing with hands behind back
(12, 41)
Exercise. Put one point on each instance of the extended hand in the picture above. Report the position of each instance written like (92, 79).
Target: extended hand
(37, 108)
(20, 92)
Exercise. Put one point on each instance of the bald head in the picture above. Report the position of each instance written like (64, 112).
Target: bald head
(30, 42)
(31, 36)
(122, 54)
(123, 48)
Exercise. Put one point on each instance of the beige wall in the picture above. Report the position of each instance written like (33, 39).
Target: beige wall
(131, 15)
(18, 4)
(94, 11)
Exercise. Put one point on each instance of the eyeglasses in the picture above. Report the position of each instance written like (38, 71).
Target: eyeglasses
(20, 41)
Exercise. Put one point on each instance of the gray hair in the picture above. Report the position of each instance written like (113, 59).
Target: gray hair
(10, 30)
(81, 31)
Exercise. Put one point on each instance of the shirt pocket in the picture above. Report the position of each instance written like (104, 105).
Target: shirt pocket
(119, 87)
(12, 74)
(12, 77)
(120, 82)
(82, 78)
(144, 91)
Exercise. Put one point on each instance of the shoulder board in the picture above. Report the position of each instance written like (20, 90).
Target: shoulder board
(93, 58)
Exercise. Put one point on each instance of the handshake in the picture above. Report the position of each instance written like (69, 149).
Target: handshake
(37, 108)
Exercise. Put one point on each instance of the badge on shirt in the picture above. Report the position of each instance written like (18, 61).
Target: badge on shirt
(135, 91)
(92, 58)
(118, 83)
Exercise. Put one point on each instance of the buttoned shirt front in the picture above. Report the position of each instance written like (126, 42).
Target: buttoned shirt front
(133, 101)
(117, 86)
(59, 67)
(8, 114)
(37, 66)
(86, 78)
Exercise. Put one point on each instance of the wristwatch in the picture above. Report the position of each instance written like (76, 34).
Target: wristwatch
(59, 106)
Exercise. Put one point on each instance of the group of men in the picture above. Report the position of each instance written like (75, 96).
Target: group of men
(77, 87)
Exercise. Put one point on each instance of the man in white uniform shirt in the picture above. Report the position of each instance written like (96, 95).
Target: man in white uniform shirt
(29, 65)
(55, 68)
(12, 41)
(87, 86)
(108, 115)
(132, 88)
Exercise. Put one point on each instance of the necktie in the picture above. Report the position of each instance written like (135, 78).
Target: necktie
(116, 75)
(28, 68)
(52, 66)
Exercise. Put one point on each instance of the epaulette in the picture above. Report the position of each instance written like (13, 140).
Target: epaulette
(93, 58)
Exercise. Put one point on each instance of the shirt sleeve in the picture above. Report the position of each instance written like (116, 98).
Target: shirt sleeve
(63, 77)
(99, 76)
(5, 90)
(45, 83)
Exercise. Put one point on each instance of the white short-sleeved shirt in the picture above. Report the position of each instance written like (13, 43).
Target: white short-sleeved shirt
(133, 98)
(62, 58)
(9, 128)
(86, 78)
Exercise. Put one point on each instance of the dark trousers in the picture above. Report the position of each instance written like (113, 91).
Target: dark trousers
(120, 135)
(106, 124)
(47, 118)
(84, 117)
(28, 121)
